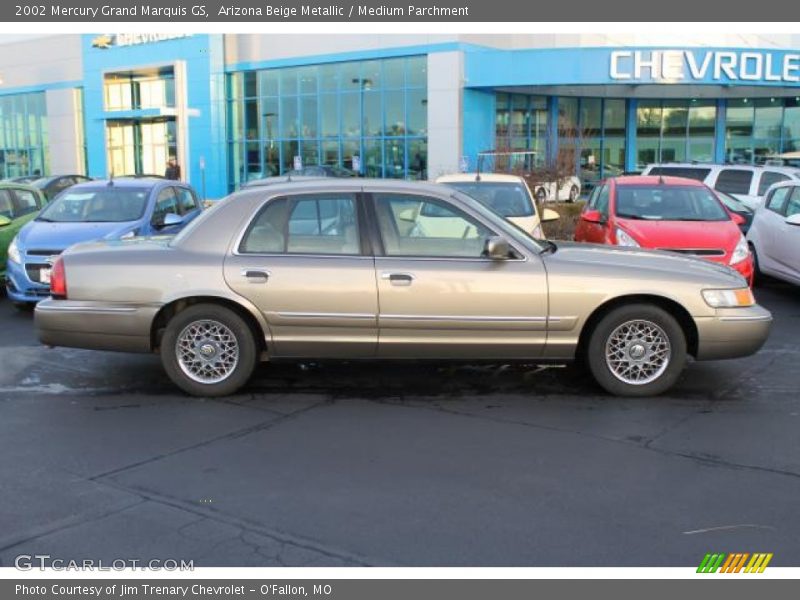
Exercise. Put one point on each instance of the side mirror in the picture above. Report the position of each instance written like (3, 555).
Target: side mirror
(593, 216)
(496, 248)
(737, 218)
(793, 220)
(4, 221)
(548, 214)
(171, 219)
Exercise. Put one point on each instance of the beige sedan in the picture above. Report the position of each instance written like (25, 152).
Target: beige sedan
(358, 269)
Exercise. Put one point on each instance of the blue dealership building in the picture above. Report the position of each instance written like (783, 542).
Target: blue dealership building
(236, 107)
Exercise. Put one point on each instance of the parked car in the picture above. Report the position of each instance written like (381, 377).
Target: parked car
(747, 183)
(736, 206)
(774, 236)
(507, 195)
(312, 172)
(526, 162)
(18, 205)
(666, 213)
(116, 209)
(296, 272)
(55, 184)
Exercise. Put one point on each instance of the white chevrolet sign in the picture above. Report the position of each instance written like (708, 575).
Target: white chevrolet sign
(667, 66)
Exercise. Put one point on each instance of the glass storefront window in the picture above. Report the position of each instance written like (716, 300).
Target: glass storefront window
(375, 110)
(23, 135)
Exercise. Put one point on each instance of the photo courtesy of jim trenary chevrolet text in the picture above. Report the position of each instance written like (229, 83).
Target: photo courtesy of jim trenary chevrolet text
(424, 299)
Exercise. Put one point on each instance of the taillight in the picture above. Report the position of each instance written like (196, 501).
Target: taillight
(58, 280)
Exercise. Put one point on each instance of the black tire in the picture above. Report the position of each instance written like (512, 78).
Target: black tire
(573, 193)
(541, 195)
(634, 315)
(239, 373)
(26, 307)
(758, 277)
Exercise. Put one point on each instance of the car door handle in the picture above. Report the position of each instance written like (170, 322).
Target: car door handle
(256, 275)
(398, 278)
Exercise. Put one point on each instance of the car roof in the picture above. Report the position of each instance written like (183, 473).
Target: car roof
(701, 165)
(139, 183)
(10, 185)
(656, 180)
(467, 177)
(348, 183)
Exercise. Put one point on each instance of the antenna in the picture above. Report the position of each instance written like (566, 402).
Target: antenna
(478, 169)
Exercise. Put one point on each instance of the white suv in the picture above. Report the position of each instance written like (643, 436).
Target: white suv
(746, 182)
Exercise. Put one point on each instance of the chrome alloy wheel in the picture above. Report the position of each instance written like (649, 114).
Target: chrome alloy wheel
(207, 351)
(638, 352)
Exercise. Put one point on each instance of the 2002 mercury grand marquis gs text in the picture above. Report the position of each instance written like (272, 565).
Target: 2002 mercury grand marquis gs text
(360, 269)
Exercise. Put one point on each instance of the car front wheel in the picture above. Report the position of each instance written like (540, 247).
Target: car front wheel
(637, 350)
(208, 350)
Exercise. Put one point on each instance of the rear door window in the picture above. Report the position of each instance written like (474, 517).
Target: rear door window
(165, 203)
(27, 202)
(768, 178)
(6, 205)
(734, 181)
(777, 199)
(186, 200)
(793, 206)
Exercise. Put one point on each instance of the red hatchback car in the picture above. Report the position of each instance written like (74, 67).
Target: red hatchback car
(665, 213)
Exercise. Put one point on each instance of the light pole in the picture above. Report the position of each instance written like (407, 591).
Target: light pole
(269, 116)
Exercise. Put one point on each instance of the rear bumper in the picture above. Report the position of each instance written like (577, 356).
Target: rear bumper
(94, 325)
(732, 333)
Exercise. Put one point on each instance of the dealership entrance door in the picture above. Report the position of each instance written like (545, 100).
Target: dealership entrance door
(140, 146)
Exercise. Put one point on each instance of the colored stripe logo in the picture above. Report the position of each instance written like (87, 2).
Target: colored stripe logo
(735, 562)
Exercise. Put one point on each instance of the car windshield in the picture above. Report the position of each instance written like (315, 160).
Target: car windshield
(508, 199)
(668, 203)
(107, 205)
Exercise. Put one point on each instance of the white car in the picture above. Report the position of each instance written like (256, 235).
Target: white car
(774, 236)
(568, 190)
(507, 195)
(745, 182)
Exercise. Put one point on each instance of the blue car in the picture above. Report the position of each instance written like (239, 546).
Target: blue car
(112, 209)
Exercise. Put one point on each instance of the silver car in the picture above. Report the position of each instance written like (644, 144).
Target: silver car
(361, 269)
(774, 235)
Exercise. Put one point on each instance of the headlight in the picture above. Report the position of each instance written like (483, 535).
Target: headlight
(13, 252)
(737, 298)
(740, 252)
(624, 239)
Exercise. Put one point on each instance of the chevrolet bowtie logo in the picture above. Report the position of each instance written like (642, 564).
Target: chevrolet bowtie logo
(103, 42)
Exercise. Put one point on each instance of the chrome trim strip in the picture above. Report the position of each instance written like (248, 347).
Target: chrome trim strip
(315, 315)
(747, 318)
(87, 309)
(464, 318)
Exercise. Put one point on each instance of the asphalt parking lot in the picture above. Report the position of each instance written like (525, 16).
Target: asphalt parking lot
(326, 465)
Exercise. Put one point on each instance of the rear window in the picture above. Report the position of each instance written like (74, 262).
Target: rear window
(507, 199)
(696, 173)
(768, 178)
(669, 203)
(734, 181)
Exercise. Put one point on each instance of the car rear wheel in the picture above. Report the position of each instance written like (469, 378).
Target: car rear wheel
(208, 350)
(573, 193)
(637, 350)
(757, 276)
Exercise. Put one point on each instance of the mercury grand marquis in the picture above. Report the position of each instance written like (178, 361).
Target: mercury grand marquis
(361, 269)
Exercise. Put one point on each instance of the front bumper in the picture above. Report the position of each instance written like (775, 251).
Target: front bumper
(95, 325)
(732, 332)
(19, 286)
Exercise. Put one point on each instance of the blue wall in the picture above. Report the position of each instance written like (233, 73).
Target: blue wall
(204, 58)
(479, 125)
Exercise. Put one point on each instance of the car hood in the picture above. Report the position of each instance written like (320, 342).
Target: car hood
(633, 261)
(58, 236)
(683, 234)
